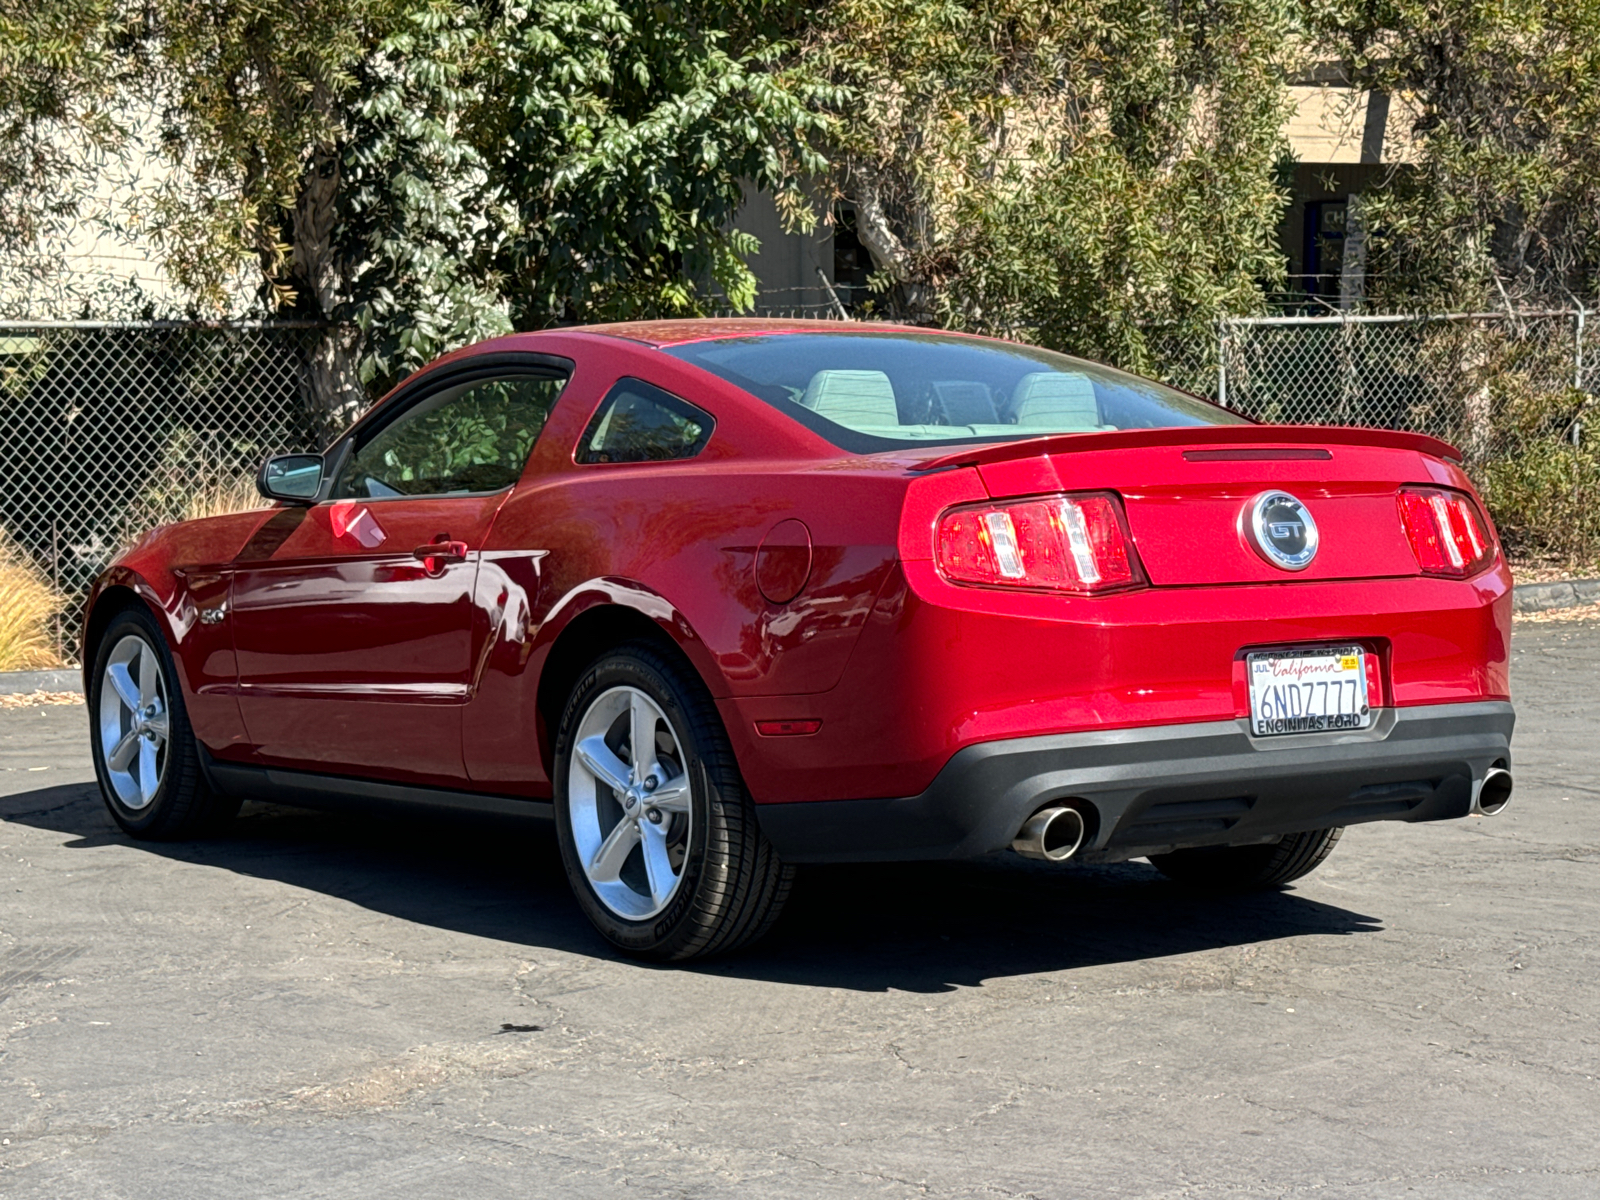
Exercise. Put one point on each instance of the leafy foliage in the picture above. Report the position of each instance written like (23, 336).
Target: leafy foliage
(431, 171)
(1504, 200)
(56, 74)
(1541, 492)
(1081, 175)
(620, 132)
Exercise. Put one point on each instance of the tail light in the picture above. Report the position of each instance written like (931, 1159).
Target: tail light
(1077, 543)
(1448, 534)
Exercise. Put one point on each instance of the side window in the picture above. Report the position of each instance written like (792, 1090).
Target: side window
(637, 422)
(472, 437)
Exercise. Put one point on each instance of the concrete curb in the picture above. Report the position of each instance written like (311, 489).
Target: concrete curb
(14, 682)
(1542, 597)
(1527, 598)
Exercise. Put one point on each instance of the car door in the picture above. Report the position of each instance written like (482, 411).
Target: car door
(353, 617)
(545, 544)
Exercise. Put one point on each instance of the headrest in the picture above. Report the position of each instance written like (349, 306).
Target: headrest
(852, 398)
(1055, 399)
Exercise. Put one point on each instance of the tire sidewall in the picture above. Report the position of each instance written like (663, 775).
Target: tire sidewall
(660, 935)
(154, 815)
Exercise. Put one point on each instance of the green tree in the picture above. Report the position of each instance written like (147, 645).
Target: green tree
(319, 139)
(1503, 200)
(424, 173)
(619, 133)
(56, 75)
(1086, 175)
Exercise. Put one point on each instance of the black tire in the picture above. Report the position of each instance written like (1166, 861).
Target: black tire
(1249, 868)
(183, 805)
(732, 885)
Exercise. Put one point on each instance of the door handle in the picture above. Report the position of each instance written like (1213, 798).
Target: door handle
(435, 554)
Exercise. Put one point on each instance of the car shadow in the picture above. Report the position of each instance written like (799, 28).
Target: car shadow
(916, 927)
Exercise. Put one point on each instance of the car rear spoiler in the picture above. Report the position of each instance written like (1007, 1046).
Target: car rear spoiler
(1192, 435)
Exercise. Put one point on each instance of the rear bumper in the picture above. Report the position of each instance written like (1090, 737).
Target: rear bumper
(1159, 788)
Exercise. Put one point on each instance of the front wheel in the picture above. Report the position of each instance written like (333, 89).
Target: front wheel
(658, 835)
(1249, 868)
(145, 755)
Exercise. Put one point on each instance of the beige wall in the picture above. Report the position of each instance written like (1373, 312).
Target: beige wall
(1340, 125)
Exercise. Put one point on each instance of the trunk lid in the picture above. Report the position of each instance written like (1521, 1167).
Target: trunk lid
(1188, 493)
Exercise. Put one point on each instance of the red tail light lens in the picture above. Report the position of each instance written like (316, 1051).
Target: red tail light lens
(1077, 543)
(1448, 534)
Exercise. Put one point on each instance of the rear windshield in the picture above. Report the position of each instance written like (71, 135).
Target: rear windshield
(880, 391)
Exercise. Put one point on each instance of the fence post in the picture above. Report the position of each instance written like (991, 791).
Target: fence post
(1577, 365)
(1577, 346)
(833, 296)
(1222, 361)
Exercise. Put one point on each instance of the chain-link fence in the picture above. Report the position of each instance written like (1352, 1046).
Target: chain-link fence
(109, 429)
(1455, 376)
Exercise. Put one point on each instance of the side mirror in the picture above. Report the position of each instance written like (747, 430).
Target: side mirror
(292, 478)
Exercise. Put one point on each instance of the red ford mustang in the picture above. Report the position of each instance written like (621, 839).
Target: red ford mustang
(726, 596)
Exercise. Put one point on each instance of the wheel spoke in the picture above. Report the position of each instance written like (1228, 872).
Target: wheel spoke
(606, 865)
(671, 796)
(123, 754)
(641, 736)
(605, 766)
(149, 777)
(158, 726)
(122, 683)
(657, 867)
(148, 674)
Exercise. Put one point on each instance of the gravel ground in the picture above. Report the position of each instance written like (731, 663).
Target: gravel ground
(321, 1006)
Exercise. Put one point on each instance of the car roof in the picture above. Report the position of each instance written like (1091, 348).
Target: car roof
(705, 329)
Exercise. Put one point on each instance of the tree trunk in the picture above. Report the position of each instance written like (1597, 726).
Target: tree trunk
(1477, 404)
(333, 379)
(889, 252)
(335, 394)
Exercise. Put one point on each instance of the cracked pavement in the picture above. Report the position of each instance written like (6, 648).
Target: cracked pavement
(320, 1006)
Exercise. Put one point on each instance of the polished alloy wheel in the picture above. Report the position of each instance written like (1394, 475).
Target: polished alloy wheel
(628, 800)
(134, 722)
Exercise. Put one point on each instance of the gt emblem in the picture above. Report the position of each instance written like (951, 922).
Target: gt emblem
(1281, 530)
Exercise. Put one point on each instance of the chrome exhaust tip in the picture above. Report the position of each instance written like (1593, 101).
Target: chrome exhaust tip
(1494, 793)
(1051, 835)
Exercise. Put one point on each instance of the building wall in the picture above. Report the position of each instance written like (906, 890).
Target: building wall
(1345, 143)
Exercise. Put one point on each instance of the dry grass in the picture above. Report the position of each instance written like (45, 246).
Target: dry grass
(234, 494)
(28, 607)
(1583, 612)
(36, 699)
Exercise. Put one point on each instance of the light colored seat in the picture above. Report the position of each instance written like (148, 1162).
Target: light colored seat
(1055, 400)
(852, 398)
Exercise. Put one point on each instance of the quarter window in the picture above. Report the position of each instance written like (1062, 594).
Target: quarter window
(638, 422)
(474, 436)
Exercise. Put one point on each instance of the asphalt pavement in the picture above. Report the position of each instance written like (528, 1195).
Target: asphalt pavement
(321, 1006)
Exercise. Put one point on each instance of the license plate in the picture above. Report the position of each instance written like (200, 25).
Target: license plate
(1308, 691)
